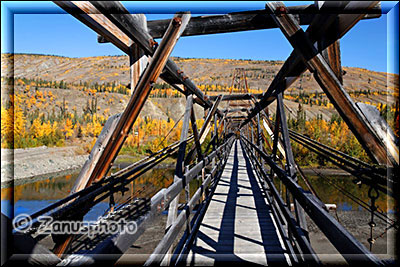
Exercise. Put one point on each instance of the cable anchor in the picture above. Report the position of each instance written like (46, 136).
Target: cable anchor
(373, 194)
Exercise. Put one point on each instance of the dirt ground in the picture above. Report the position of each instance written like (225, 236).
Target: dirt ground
(355, 222)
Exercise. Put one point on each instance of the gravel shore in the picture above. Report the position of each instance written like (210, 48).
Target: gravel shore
(356, 223)
(44, 162)
(27, 165)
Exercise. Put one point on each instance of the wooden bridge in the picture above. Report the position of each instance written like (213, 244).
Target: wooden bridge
(236, 214)
(238, 224)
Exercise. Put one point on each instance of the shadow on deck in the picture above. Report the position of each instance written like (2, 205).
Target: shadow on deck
(238, 226)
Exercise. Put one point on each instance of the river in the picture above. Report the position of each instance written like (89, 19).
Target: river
(33, 196)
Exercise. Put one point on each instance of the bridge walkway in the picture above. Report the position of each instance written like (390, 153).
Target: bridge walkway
(238, 225)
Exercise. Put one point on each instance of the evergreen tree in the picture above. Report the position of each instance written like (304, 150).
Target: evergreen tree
(301, 117)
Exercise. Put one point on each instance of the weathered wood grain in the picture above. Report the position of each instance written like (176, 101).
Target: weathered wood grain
(238, 225)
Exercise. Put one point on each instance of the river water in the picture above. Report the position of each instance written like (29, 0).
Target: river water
(33, 196)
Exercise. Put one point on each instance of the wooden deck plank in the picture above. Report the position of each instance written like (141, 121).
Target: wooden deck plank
(238, 225)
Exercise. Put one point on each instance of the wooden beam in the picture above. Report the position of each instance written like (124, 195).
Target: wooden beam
(196, 135)
(240, 21)
(271, 134)
(236, 97)
(240, 104)
(82, 181)
(326, 78)
(233, 110)
(123, 30)
(92, 17)
(180, 164)
(236, 117)
(290, 163)
(128, 23)
(332, 56)
(137, 58)
(323, 26)
(140, 95)
(137, 62)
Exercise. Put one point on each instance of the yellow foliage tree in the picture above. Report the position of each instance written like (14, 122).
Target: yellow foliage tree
(68, 129)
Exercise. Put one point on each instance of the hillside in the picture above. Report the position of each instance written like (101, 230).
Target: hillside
(209, 74)
(108, 69)
(60, 101)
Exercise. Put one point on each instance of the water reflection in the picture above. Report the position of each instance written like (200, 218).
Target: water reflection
(331, 195)
(31, 197)
(34, 196)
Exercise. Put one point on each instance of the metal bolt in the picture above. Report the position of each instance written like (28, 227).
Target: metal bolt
(280, 10)
(176, 21)
(153, 43)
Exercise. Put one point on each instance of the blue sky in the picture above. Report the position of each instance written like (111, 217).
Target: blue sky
(61, 34)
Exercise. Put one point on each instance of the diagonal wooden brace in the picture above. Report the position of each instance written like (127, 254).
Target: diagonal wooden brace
(379, 150)
(329, 27)
(119, 132)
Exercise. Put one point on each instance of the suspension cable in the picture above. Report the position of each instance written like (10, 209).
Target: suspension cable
(165, 137)
(357, 200)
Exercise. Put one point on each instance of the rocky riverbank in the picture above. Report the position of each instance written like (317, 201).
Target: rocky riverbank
(356, 223)
(20, 165)
(26, 165)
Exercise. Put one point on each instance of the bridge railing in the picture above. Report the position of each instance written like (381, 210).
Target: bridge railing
(211, 179)
(295, 238)
(350, 248)
(100, 190)
(116, 245)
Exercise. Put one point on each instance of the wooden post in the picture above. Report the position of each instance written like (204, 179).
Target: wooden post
(187, 196)
(332, 57)
(216, 131)
(290, 164)
(137, 62)
(383, 151)
(276, 134)
(81, 181)
(259, 143)
(209, 113)
(179, 170)
(271, 134)
(202, 181)
(137, 58)
(196, 135)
